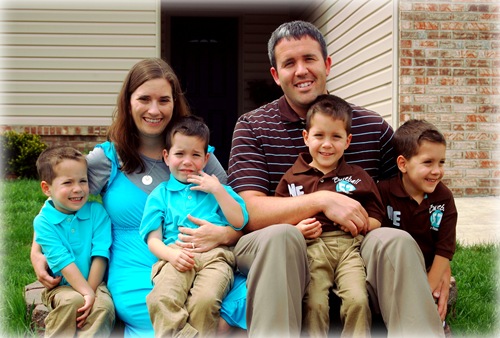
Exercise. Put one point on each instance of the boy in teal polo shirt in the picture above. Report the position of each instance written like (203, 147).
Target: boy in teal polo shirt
(75, 236)
(188, 285)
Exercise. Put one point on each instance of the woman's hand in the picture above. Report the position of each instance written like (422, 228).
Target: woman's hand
(40, 266)
(207, 236)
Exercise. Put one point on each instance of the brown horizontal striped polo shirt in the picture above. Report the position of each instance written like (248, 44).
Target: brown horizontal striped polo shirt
(268, 140)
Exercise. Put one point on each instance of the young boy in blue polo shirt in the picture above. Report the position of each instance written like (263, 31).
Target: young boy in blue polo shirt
(188, 285)
(75, 236)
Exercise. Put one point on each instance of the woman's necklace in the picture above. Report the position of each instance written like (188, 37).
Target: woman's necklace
(147, 179)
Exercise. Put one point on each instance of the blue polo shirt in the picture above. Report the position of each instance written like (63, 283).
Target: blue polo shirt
(172, 201)
(73, 238)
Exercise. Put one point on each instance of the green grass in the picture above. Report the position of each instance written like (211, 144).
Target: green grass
(474, 267)
(21, 201)
(476, 272)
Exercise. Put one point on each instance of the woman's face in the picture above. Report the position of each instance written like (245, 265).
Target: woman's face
(152, 106)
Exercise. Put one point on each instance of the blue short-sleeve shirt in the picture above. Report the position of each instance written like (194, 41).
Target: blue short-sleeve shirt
(73, 238)
(171, 202)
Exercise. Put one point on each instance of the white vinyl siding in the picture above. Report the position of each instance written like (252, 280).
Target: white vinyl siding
(63, 62)
(360, 41)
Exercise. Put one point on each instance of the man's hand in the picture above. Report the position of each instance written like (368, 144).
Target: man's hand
(346, 212)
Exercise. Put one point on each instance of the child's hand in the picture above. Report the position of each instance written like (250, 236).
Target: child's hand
(87, 306)
(310, 228)
(183, 260)
(204, 182)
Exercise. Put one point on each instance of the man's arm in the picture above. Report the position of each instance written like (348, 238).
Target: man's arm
(266, 210)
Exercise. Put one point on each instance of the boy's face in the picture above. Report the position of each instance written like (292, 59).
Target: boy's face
(70, 188)
(186, 157)
(327, 139)
(300, 71)
(422, 172)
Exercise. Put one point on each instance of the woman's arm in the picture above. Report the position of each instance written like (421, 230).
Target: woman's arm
(40, 266)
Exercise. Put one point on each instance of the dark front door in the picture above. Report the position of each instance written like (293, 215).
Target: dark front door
(205, 56)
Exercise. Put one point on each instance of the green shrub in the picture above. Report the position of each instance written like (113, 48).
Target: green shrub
(20, 152)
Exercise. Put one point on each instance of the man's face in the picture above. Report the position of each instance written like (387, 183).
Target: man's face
(300, 71)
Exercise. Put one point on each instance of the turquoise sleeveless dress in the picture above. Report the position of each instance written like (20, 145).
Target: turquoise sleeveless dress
(129, 276)
(129, 272)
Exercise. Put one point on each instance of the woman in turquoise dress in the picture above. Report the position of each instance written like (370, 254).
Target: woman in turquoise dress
(124, 171)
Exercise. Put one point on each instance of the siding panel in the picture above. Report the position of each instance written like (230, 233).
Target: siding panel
(63, 63)
(360, 42)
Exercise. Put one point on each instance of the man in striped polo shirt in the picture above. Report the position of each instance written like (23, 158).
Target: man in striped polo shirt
(266, 142)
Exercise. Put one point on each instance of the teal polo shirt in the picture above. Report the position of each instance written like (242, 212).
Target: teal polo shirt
(172, 201)
(73, 238)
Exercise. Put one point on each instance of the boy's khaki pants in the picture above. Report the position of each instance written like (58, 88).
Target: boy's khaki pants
(335, 261)
(63, 302)
(187, 304)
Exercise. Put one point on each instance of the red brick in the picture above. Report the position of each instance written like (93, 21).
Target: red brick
(426, 62)
(426, 26)
(405, 62)
(476, 118)
(489, 164)
(405, 44)
(452, 26)
(479, 8)
(476, 155)
(459, 35)
(438, 35)
(451, 63)
(492, 109)
(425, 7)
(489, 16)
(452, 99)
(411, 108)
(477, 192)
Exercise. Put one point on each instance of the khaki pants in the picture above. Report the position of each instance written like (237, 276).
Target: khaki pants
(184, 304)
(275, 262)
(335, 261)
(397, 284)
(63, 302)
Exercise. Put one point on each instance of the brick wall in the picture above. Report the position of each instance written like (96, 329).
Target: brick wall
(83, 138)
(449, 58)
